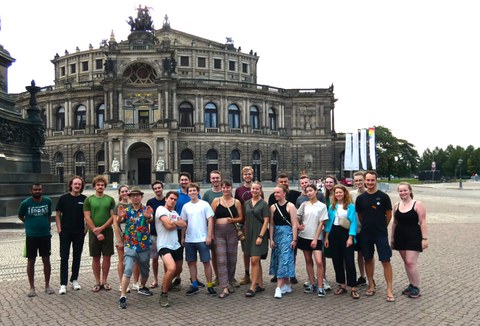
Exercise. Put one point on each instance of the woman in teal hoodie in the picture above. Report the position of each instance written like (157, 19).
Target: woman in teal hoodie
(341, 229)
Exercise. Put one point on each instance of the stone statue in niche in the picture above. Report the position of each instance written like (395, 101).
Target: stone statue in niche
(160, 165)
(115, 167)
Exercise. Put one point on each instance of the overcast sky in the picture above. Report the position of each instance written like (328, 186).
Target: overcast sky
(410, 66)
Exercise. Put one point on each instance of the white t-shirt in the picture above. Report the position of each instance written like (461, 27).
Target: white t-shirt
(197, 215)
(311, 215)
(166, 238)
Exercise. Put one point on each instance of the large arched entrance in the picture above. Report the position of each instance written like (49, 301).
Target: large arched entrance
(139, 164)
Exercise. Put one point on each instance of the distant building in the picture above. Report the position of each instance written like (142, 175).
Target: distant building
(191, 101)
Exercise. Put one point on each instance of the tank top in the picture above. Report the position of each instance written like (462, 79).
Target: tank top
(277, 217)
(222, 211)
(409, 218)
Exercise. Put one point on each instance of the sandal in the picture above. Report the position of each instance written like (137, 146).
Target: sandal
(96, 288)
(258, 288)
(250, 294)
(370, 293)
(153, 285)
(340, 290)
(49, 290)
(223, 295)
(106, 287)
(390, 298)
(355, 294)
(31, 293)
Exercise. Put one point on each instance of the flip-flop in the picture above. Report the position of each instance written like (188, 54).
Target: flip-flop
(153, 285)
(96, 288)
(250, 294)
(340, 290)
(223, 295)
(355, 294)
(106, 287)
(390, 298)
(31, 293)
(370, 293)
(49, 290)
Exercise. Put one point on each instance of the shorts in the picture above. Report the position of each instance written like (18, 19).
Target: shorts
(143, 261)
(191, 249)
(304, 244)
(357, 246)
(42, 245)
(177, 254)
(368, 244)
(153, 247)
(99, 248)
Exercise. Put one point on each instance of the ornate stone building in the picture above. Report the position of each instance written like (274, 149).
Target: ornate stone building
(165, 101)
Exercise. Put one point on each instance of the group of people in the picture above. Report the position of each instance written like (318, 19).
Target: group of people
(181, 225)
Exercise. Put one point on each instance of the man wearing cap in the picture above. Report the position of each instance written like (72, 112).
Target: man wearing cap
(136, 242)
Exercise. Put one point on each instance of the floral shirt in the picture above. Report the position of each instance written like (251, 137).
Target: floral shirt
(137, 232)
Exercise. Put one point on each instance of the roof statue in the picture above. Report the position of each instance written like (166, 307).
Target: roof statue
(143, 22)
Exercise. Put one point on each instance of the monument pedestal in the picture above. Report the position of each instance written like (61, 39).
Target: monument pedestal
(160, 175)
(115, 177)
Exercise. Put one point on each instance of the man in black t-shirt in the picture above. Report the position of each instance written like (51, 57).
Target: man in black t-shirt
(70, 223)
(374, 209)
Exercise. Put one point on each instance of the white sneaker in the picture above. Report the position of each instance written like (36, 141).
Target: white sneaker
(278, 293)
(120, 289)
(136, 286)
(63, 289)
(326, 285)
(286, 289)
(306, 284)
(75, 285)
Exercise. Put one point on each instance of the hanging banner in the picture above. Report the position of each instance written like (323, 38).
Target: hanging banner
(347, 164)
(371, 143)
(363, 148)
(355, 159)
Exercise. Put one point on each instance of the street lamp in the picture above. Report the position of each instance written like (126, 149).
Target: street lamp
(460, 161)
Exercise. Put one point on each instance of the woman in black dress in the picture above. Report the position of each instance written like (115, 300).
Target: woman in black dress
(409, 235)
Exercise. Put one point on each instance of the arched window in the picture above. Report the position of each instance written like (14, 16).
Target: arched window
(186, 162)
(100, 116)
(212, 163)
(186, 114)
(101, 162)
(80, 164)
(212, 155)
(274, 165)
(233, 116)
(59, 165)
(256, 165)
(272, 119)
(236, 165)
(254, 117)
(211, 115)
(80, 117)
(60, 119)
(140, 73)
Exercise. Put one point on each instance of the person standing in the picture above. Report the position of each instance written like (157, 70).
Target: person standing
(374, 209)
(166, 223)
(98, 211)
(136, 242)
(209, 196)
(410, 236)
(341, 239)
(257, 217)
(359, 184)
(304, 182)
(312, 215)
(228, 211)
(197, 237)
(243, 193)
(154, 203)
(283, 240)
(119, 230)
(35, 213)
(70, 222)
(292, 196)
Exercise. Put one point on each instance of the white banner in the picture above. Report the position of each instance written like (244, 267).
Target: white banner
(347, 164)
(363, 148)
(371, 143)
(355, 159)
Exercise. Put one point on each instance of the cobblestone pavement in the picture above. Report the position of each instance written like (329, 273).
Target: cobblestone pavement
(449, 271)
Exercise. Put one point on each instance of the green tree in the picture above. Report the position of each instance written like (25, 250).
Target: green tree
(395, 156)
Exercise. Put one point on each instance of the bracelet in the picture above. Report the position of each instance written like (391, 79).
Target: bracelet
(424, 239)
(260, 236)
(294, 240)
